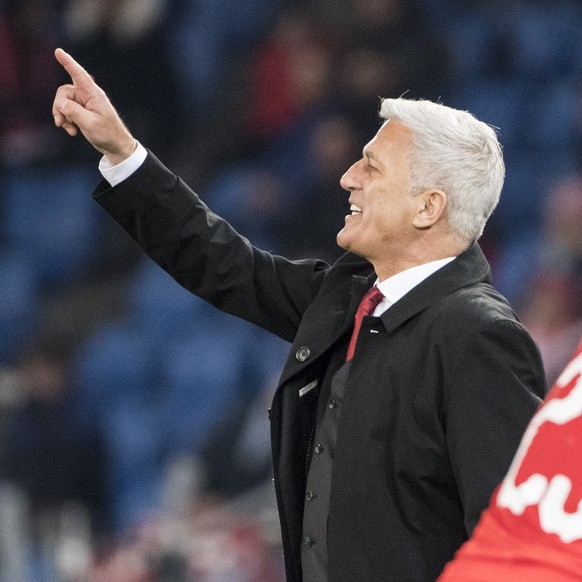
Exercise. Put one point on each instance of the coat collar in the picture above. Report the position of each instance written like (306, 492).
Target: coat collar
(332, 312)
(469, 268)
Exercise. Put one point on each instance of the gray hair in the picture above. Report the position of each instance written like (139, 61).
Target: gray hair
(454, 152)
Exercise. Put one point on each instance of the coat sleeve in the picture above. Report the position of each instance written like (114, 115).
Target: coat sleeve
(204, 254)
(497, 387)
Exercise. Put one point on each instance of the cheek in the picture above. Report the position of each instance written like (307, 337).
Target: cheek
(390, 221)
(382, 217)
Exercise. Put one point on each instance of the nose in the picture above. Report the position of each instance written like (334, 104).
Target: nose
(349, 181)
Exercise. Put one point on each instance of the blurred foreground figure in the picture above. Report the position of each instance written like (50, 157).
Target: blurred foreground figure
(387, 443)
(533, 528)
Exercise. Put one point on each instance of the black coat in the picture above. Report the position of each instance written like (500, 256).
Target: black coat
(436, 402)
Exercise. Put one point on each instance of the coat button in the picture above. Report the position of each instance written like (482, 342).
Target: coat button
(302, 354)
(308, 542)
(318, 449)
(332, 404)
(309, 495)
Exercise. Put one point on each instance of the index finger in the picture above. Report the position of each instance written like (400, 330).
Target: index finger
(75, 70)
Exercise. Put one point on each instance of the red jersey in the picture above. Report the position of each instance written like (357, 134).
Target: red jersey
(532, 529)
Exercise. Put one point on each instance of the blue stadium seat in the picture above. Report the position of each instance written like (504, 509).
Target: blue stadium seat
(114, 366)
(205, 35)
(117, 390)
(19, 302)
(551, 114)
(50, 214)
(546, 41)
(133, 446)
(158, 305)
(207, 376)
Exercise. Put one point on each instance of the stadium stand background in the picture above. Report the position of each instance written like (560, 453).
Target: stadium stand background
(134, 440)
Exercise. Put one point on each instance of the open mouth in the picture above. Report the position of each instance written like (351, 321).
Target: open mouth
(355, 209)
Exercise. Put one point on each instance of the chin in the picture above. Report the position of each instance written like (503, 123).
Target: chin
(342, 241)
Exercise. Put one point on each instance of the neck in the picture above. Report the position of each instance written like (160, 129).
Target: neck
(416, 255)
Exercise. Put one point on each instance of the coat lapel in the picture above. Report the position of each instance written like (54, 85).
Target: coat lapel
(330, 315)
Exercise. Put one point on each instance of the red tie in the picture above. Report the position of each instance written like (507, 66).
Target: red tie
(367, 305)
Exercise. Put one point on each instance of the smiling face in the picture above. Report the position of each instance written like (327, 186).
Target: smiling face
(380, 226)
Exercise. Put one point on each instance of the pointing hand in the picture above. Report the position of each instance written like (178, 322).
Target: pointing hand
(83, 106)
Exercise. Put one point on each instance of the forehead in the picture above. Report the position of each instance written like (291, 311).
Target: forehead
(392, 138)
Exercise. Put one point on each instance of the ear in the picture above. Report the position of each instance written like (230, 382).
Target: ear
(431, 207)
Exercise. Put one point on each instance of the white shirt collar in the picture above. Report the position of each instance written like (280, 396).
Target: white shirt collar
(397, 286)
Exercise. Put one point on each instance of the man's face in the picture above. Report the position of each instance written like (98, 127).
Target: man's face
(380, 200)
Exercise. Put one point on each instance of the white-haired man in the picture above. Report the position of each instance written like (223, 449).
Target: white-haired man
(387, 443)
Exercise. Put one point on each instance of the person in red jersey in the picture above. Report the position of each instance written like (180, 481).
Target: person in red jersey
(532, 529)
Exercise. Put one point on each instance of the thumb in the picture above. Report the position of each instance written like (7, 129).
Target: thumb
(71, 110)
(75, 115)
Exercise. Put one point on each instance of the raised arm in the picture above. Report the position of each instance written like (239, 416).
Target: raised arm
(83, 106)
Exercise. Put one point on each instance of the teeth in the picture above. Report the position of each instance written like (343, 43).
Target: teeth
(355, 208)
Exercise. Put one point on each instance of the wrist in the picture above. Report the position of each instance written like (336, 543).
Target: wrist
(117, 174)
(128, 149)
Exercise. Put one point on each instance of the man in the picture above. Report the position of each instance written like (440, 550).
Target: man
(532, 529)
(385, 451)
